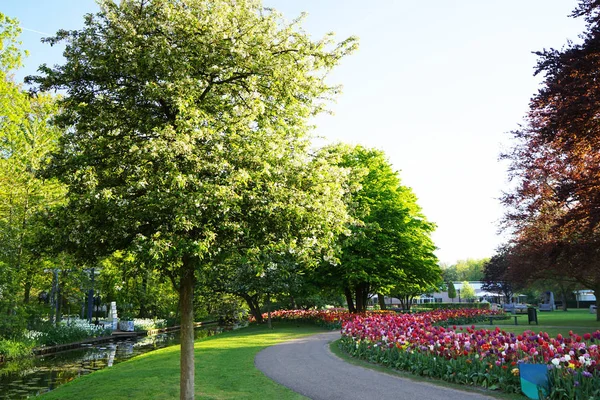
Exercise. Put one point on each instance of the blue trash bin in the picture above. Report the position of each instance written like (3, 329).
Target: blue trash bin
(534, 377)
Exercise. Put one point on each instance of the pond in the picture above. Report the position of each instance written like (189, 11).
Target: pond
(27, 378)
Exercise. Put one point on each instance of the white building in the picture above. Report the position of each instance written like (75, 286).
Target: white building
(584, 295)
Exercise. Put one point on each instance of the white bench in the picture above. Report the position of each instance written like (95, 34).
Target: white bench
(592, 309)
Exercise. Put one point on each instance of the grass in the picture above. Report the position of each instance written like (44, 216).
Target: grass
(554, 322)
(224, 370)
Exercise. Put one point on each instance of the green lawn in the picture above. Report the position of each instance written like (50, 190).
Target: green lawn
(554, 322)
(224, 370)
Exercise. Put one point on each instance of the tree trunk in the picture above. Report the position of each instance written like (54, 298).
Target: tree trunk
(563, 298)
(360, 306)
(381, 300)
(28, 285)
(269, 312)
(349, 300)
(253, 305)
(144, 300)
(186, 296)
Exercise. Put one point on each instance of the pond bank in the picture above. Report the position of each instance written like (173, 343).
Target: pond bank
(24, 378)
(40, 351)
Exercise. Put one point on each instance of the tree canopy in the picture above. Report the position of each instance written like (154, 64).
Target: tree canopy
(467, 291)
(451, 291)
(554, 210)
(184, 124)
(470, 269)
(26, 137)
(388, 248)
(496, 278)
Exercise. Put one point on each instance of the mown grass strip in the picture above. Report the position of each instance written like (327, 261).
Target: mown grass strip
(224, 370)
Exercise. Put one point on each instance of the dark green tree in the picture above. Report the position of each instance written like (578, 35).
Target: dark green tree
(451, 291)
(496, 278)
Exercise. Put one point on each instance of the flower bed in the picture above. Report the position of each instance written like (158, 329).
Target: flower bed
(430, 344)
(329, 319)
(486, 358)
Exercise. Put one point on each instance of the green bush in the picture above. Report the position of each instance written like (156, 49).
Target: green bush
(15, 349)
(12, 326)
(76, 330)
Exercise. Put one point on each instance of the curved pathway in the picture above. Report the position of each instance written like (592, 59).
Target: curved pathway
(308, 367)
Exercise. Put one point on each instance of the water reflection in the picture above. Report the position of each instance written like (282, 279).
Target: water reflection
(26, 378)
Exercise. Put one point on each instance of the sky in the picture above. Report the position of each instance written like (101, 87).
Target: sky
(437, 85)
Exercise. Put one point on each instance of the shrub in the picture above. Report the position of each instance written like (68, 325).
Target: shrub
(145, 324)
(15, 349)
(73, 331)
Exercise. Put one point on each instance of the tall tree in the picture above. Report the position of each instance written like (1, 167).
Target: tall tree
(496, 277)
(467, 291)
(451, 291)
(178, 115)
(254, 269)
(554, 211)
(388, 246)
(25, 139)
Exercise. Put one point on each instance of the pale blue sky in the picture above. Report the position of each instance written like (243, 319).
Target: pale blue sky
(435, 84)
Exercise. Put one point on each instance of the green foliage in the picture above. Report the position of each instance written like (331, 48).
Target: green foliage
(13, 324)
(211, 102)
(388, 248)
(209, 157)
(451, 290)
(12, 349)
(26, 137)
(138, 290)
(467, 292)
(229, 310)
(473, 372)
(74, 331)
(465, 270)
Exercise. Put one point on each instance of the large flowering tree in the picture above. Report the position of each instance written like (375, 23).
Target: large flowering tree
(185, 121)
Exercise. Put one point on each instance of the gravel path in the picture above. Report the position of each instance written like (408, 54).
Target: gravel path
(308, 367)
